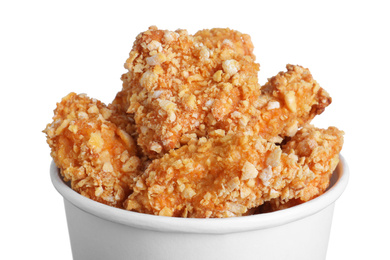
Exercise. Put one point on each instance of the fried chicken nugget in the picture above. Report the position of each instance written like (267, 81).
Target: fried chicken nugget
(290, 100)
(318, 150)
(229, 174)
(287, 102)
(90, 144)
(178, 85)
(222, 176)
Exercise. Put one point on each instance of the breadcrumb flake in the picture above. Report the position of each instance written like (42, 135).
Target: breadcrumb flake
(248, 171)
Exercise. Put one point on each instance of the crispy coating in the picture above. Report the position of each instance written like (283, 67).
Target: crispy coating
(222, 176)
(91, 146)
(293, 99)
(226, 175)
(193, 134)
(217, 37)
(318, 150)
(180, 84)
(288, 101)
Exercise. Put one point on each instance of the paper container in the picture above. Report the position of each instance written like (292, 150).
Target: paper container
(98, 231)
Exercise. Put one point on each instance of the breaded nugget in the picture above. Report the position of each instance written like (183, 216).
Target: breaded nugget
(318, 151)
(193, 134)
(292, 98)
(222, 176)
(91, 145)
(226, 175)
(287, 102)
(178, 85)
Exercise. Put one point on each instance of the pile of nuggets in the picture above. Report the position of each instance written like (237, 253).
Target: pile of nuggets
(193, 134)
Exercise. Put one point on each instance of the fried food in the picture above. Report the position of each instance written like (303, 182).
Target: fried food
(226, 175)
(216, 38)
(221, 176)
(91, 145)
(179, 85)
(193, 134)
(318, 150)
(287, 102)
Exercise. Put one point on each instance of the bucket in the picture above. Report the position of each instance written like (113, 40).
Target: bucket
(98, 231)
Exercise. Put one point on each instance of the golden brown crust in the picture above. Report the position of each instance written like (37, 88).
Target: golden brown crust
(193, 134)
(222, 176)
(217, 37)
(291, 100)
(91, 146)
(180, 85)
(176, 85)
(226, 175)
(318, 150)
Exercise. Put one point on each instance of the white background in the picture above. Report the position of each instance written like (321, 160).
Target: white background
(50, 48)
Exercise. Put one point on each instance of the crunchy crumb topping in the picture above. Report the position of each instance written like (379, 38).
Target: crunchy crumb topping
(216, 187)
(91, 146)
(200, 83)
(193, 134)
(231, 66)
(249, 171)
(186, 83)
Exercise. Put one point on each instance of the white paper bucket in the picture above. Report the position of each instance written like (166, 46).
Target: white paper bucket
(98, 231)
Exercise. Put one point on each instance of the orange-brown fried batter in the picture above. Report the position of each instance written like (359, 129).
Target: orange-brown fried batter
(193, 134)
(287, 102)
(318, 150)
(222, 176)
(226, 175)
(91, 145)
(180, 85)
